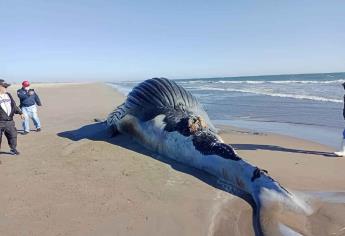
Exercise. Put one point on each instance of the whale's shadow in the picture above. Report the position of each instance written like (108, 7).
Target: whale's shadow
(99, 132)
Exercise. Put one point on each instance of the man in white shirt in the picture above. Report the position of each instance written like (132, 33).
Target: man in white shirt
(8, 108)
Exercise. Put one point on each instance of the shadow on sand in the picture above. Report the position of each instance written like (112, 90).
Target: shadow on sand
(99, 132)
(5, 153)
(254, 147)
(21, 131)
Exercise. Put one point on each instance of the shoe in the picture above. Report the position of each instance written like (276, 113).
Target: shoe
(339, 154)
(38, 130)
(25, 133)
(14, 152)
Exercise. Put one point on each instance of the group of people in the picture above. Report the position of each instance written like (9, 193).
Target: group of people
(27, 109)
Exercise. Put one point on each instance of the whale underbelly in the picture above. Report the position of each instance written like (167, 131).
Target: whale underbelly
(173, 145)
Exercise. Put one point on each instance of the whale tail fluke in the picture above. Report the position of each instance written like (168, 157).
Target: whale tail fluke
(300, 213)
(281, 214)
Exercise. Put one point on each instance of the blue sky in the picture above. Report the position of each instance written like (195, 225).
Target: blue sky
(78, 40)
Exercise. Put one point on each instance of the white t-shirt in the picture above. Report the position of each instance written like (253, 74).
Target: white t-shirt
(5, 102)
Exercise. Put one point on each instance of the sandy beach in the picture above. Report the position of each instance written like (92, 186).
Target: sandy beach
(73, 178)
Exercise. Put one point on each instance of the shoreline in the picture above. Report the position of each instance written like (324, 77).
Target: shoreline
(321, 135)
(74, 178)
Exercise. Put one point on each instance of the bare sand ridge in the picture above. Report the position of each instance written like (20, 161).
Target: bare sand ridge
(73, 179)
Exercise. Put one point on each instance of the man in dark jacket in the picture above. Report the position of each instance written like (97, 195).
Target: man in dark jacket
(8, 108)
(28, 101)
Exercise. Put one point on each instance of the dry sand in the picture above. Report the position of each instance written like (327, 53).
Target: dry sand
(73, 179)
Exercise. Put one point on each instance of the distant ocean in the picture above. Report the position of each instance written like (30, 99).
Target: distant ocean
(307, 106)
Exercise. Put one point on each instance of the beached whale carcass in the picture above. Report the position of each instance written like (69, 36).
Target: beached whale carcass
(164, 117)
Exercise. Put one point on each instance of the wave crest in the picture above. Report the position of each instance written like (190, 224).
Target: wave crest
(273, 94)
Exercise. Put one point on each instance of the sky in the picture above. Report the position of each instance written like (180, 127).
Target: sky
(82, 40)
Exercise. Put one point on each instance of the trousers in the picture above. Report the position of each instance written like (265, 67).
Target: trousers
(9, 129)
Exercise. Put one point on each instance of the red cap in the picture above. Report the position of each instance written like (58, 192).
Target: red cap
(26, 83)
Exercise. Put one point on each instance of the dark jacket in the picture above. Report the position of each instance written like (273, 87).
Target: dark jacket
(27, 100)
(14, 110)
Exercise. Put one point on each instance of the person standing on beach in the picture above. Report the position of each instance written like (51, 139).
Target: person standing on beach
(28, 101)
(8, 108)
(341, 153)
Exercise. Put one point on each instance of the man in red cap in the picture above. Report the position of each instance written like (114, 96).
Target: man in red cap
(8, 108)
(28, 101)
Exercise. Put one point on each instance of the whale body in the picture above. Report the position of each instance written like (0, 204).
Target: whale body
(167, 119)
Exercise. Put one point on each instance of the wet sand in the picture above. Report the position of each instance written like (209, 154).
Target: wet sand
(73, 178)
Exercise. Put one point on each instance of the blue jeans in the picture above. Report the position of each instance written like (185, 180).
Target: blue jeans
(30, 112)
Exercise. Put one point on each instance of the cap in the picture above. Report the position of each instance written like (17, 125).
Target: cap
(3, 83)
(26, 83)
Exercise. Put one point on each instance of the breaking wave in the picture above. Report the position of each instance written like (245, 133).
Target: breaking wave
(274, 94)
(340, 81)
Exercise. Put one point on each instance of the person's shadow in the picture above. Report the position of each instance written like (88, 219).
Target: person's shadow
(253, 147)
(6, 153)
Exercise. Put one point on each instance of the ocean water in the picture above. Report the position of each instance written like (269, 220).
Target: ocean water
(307, 106)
